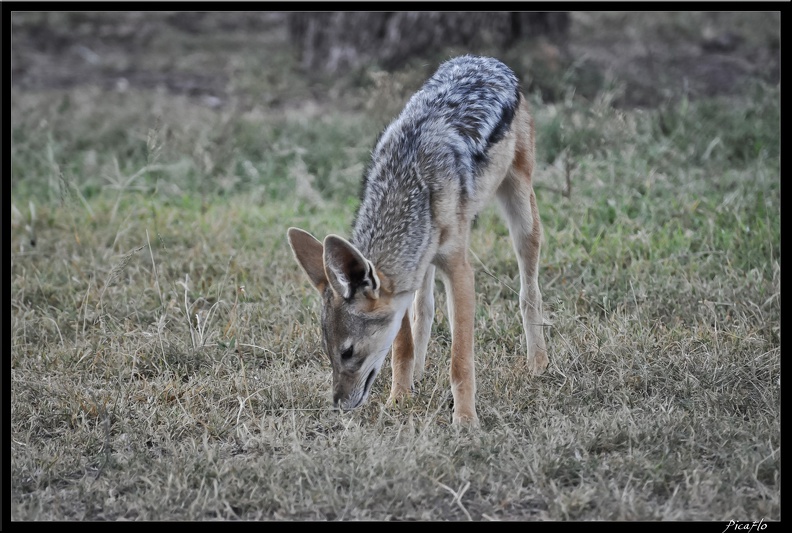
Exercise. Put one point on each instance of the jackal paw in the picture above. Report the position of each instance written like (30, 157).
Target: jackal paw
(467, 419)
(399, 394)
(538, 363)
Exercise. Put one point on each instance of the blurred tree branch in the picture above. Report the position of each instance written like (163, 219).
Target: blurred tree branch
(332, 41)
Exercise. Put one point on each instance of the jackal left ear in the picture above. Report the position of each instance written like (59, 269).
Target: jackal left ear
(347, 270)
(308, 253)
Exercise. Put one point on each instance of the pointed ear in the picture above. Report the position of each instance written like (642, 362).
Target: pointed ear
(347, 270)
(309, 253)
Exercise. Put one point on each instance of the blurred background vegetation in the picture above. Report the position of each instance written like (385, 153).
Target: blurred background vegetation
(271, 88)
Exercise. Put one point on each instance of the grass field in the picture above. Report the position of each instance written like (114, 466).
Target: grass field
(166, 361)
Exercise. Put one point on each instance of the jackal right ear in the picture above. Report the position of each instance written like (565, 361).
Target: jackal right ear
(309, 252)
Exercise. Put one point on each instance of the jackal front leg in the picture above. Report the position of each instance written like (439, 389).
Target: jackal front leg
(460, 287)
(423, 315)
(402, 359)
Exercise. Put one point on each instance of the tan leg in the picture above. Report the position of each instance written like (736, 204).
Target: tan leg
(423, 316)
(402, 361)
(518, 203)
(460, 286)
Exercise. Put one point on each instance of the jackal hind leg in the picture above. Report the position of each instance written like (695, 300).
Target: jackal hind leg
(518, 204)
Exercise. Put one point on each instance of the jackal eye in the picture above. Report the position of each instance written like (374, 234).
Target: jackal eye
(346, 354)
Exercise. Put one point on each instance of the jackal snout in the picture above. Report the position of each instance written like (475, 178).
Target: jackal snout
(348, 396)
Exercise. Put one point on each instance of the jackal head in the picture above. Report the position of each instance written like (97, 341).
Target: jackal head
(360, 313)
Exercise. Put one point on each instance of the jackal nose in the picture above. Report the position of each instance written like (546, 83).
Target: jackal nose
(342, 403)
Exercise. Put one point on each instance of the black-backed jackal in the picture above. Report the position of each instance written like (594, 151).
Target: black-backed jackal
(465, 137)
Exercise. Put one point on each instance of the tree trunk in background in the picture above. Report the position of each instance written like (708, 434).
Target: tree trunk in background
(331, 41)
